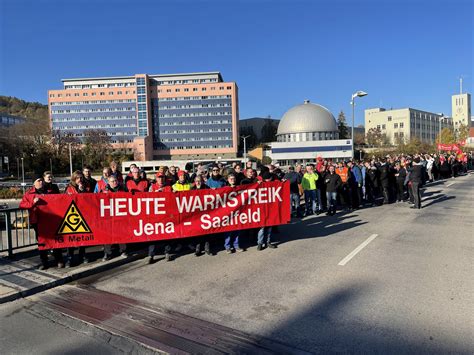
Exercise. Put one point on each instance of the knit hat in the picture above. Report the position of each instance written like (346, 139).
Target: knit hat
(37, 177)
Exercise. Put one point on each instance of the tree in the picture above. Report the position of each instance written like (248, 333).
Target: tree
(446, 136)
(359, 138)
(342, 126)
(96, 147)
(375, 137)
(462, 132)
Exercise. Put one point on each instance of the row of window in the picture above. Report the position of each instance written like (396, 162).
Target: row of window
(195, 98)
(101, 93)
(95, 86)
(175, 131)
(194, 106)
(169, 140)
(191, 123)
(212, 88)
(198, 147)
(196, 114)
(96, 118)
(96, 110)
(155, 82)
(112, 125)
(307, 136)
(91, 102)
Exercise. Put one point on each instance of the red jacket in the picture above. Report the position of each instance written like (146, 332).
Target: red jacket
(141, 185)
(163, 188)
(72, 190)
(28, 204)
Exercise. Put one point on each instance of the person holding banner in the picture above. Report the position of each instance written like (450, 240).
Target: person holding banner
(200, 185)
(182, 184)
(29, 202)
(265, 233)
(216, 180)
(76, 186)
(137, 183)
(231, 241)
(113, 186)
(159, 186)
(102, 183)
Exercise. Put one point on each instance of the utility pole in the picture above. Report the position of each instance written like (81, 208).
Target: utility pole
(245, 148)
(70, 159)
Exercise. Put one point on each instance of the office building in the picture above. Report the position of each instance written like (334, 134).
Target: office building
(461, 110)
(172, 116)
(406, 123)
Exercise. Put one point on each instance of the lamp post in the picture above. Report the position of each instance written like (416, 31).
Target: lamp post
(356, 94)
(70, 159)
(23, 175)
(245, 148)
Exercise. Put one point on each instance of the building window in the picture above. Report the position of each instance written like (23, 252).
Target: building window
(102, 93)
(395, 125)
(383, 126)
(401, 124)
(389, 118)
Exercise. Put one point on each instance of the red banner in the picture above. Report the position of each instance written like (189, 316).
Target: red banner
(113, 218)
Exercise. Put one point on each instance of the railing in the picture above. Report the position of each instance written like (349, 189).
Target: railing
(15, 230)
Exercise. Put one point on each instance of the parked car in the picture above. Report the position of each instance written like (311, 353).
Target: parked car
(20, 222)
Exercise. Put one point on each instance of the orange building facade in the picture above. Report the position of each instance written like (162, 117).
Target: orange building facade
(174, 116)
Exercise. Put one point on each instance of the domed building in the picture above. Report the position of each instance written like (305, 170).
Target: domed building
(306, 131)
(307, 122)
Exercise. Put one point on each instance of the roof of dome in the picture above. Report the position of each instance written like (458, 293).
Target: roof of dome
(307, 117)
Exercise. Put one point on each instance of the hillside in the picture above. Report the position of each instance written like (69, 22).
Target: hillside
(17, 107)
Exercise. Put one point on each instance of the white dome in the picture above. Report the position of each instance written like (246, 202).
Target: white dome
(307, 117)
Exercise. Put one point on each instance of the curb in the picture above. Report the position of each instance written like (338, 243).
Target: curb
(74, 277)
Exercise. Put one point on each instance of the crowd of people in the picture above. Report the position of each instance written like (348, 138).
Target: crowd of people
(325, 186)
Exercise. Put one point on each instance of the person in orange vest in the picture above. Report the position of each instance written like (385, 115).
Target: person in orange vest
(346, 193)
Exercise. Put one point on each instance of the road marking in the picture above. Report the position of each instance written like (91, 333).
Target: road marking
(357, 250)
(448, 185)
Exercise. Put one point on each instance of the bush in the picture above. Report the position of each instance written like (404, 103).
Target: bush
(11, 193)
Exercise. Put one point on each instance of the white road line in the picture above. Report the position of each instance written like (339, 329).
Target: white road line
(356, 250)
(448, 185)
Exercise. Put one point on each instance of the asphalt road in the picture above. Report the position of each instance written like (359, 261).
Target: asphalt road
(409, 288)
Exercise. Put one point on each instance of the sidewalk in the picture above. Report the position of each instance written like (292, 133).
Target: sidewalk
(20, 277)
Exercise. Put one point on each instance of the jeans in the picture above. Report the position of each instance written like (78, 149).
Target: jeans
(318, 200)
(416, 193)
(310, 197)
(264, 231)
(229, 236)
(295, 203)
(332, 198)
(108, 249)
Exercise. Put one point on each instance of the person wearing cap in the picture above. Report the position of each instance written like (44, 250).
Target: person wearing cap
(76, 186)
(102, 183)
(181, 184)
(231, 241)
(309, 187)
(137, 183)
(265, 233)
(89, 181)
(30, 200)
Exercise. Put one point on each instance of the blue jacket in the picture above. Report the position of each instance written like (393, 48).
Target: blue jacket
(215, 183)
(357, 174)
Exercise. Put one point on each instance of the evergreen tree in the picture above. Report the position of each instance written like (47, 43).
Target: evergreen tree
(342, 126)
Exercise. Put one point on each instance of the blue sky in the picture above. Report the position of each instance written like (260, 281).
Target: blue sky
(403, 53)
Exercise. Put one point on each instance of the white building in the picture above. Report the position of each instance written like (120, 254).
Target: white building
(307, 131)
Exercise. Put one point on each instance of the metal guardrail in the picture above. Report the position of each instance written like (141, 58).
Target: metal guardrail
(15, 230)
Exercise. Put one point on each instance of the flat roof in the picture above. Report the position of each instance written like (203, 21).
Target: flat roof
(151, 76)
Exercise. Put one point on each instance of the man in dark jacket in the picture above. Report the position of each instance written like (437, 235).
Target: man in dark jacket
(416, 180)
(385, 180)
(48, 186)
(333, 183)
(295, 187)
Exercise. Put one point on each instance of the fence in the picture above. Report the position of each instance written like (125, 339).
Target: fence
(16, 232)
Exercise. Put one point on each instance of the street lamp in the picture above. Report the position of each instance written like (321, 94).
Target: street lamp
(23, 175)
(356, 94)
(245, 148)
(70, 158)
